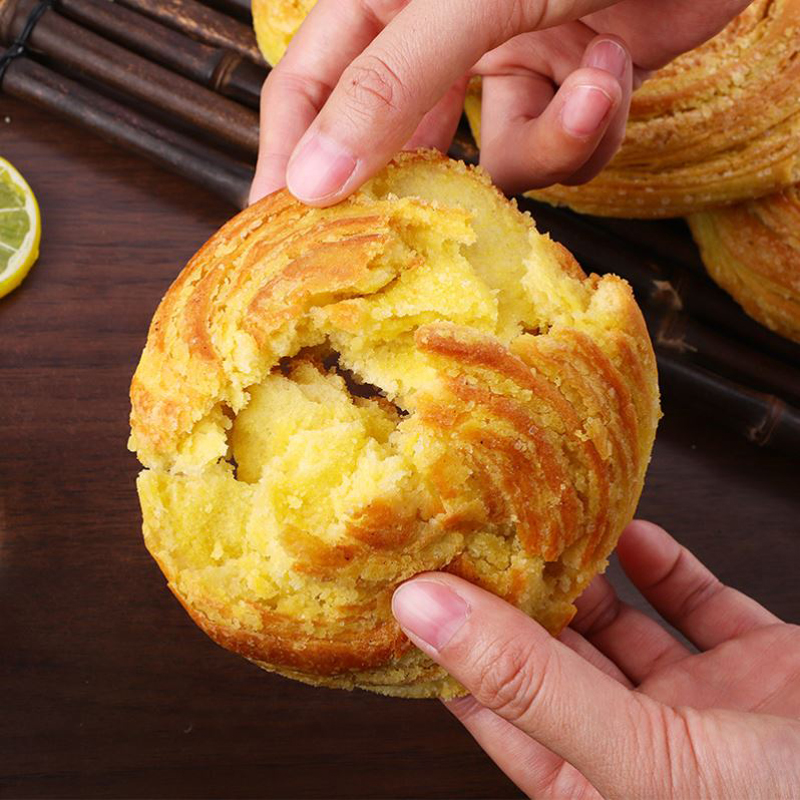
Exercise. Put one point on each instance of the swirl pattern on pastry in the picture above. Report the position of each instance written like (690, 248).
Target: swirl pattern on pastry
(333, 400)
(752, 250)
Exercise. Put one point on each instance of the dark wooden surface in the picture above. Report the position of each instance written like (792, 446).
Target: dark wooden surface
(106, 688)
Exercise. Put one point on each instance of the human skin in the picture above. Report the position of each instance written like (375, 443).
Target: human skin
(617, 706)
(364, 78)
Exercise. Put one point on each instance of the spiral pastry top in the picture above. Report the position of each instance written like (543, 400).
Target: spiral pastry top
(752, 250)
(333, 400)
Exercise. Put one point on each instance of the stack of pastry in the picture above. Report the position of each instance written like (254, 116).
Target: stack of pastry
(331, 401)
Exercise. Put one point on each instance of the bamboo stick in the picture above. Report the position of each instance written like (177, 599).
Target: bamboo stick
(78, 49)
(215, 68)
(763, 419)
(673, 330)
(216, 171)
(203, 23)
(239, 9)
(667, 239)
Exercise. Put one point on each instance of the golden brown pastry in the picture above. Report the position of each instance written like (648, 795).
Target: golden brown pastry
(334, 400)
(718, 125)
(275, 22)
(752, 250)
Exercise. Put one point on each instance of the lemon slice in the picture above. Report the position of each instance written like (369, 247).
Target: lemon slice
(20, 228)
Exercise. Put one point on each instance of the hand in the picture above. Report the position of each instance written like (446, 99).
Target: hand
(363, 78)
(618, 707)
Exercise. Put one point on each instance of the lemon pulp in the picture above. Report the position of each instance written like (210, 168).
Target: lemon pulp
(20, 228)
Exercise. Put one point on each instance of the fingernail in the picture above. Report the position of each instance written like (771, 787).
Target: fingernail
(430, 611)
(610, 56)
(585, 109)
(320, 169)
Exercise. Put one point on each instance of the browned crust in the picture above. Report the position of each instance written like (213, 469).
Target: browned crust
(753, 252)
(528, 473)
(512, 422)
(282, 642)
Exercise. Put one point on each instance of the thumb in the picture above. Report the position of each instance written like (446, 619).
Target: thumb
(378, 100)
(512, 666)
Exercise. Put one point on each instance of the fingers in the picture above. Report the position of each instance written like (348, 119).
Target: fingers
(655, 43)
(438, 126)
(684, 591)
(352, 90)
(384, 93)
(537, 771)
(588, 652)
(332, 35)
(630, 639)
(513, 667)
(611, 55)
(302, 95)
(532, 137)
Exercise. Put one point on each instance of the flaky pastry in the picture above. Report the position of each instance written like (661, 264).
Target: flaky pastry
(752, 250)
(333, 400)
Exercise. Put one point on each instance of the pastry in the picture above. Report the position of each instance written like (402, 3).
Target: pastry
(275, 22)
(752, 250)
(333, 400)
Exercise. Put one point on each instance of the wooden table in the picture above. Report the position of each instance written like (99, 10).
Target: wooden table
(106, 687)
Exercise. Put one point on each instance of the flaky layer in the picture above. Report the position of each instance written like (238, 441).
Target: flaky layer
(333, 400)
(718, 125)
(752, 250)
